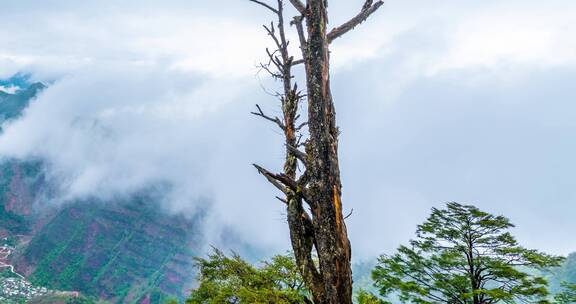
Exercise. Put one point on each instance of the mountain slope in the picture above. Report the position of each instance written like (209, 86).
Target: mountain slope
(20, 181)
(124, 250)
(20, 184)
(565, 273)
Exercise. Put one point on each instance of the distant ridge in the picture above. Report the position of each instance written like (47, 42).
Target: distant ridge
(20, 80)
(12, 105)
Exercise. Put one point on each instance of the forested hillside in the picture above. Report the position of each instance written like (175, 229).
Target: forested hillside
(122, 251)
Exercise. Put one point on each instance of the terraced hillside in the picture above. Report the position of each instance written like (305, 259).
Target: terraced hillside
(124, 252)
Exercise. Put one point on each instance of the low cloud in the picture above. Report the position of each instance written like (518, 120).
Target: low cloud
(112, 131)
(437, 101)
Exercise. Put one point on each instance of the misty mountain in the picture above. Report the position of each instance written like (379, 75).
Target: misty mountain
(125, 250)
(12, 105)
(565, 273)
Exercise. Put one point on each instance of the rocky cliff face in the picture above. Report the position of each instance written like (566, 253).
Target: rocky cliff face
(126, 250)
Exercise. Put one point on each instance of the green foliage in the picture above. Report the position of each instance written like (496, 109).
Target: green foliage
(224, 279)
(5, 272)
(564, 274)
(463, 255)
(9, 241)
(365, 297)
(124, 252)
(10, 221)
(567, 295)
(64, 299)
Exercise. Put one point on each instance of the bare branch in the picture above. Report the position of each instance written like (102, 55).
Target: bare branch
(270, 30)
(265, 5)
(367, 10)
(297, 62)
(275, 75)
(297, 21)
(286, 180)
(270, 177)
(299, 6)
(349, 214)
(282, 200)
(280, 181)
(302, 125)
(299, 154)
(299, 142)
(286, 184)
(274, 120)
(274, 60)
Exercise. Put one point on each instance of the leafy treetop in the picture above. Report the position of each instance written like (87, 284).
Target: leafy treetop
(462, 255)
(567, 295)
(224, 279)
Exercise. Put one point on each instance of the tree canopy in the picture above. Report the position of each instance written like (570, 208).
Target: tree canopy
(567, 295)
(230, 279)
(365, 297)
(462, 255)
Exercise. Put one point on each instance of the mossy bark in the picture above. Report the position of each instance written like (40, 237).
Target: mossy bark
(324, 185)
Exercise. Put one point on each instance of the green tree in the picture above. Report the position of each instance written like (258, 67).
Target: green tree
(365, 297)
(462, 255)
(567, 295)
(230, 279)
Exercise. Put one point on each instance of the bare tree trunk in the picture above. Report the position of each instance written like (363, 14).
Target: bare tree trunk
(322, 148)
(322, 231)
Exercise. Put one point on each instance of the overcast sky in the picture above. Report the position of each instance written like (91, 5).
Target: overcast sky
(444, 100)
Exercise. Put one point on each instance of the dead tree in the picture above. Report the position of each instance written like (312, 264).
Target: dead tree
(312, 197)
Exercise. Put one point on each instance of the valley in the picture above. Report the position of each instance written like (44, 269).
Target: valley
(124, 250)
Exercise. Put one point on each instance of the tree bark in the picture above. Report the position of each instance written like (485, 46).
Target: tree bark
(321, 232)
(324, 187)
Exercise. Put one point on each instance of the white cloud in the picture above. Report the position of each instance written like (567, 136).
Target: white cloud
(60, 40)
(513, 34)
(112, 131)
(148, 92)
(106, 131)
(200, 36)
(444, 36)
